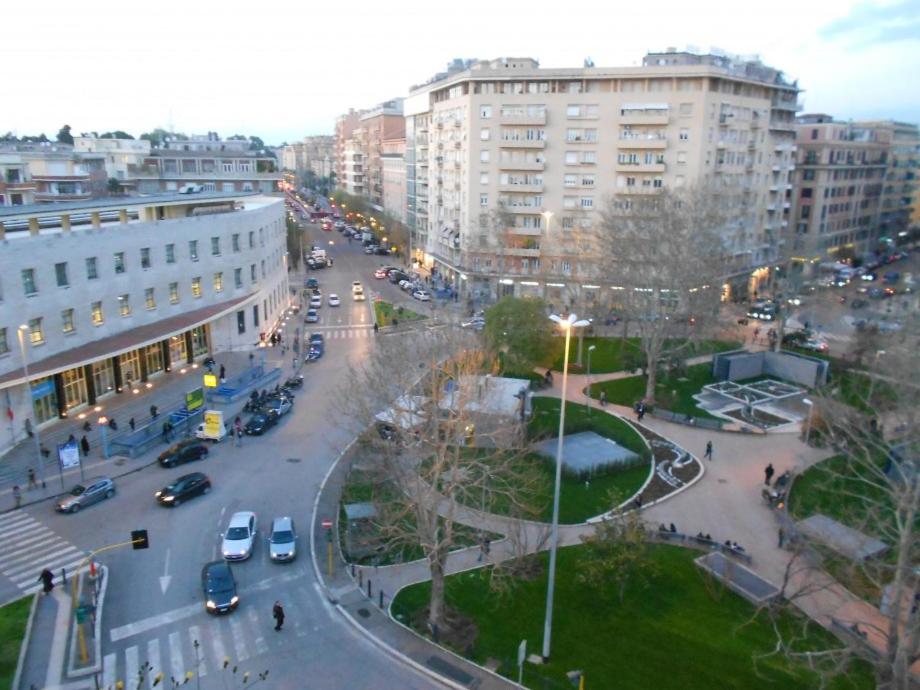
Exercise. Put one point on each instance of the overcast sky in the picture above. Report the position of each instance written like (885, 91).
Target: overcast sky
(285, 69)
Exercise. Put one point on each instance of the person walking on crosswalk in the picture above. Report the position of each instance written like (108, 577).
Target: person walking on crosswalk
(278, 615)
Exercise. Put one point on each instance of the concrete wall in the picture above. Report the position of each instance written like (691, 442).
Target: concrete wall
(795, 368)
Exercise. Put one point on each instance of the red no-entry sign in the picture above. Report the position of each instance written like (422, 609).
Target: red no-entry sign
(327, 524)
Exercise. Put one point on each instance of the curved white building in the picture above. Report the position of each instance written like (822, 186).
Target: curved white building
(113, 292)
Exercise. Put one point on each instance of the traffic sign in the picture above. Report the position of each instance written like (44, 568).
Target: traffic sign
(327, 524)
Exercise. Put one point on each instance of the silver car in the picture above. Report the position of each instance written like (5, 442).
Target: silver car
(240, 537)
(283, 540)
(86, 494)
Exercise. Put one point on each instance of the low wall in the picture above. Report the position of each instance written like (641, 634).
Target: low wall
(788, 366)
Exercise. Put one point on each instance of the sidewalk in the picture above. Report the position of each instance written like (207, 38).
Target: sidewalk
(167, 392)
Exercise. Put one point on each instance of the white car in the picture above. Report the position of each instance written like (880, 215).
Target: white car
(316, 302)
(477, 323)
(239, 537)
(422, 296)
(358, 295)
(334, 300)
(312, 316)
(356, 286)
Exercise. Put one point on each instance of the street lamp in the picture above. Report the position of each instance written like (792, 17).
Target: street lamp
(811, 409)
(103, 422)
(25, 371)
(567, 324)
(591, 349)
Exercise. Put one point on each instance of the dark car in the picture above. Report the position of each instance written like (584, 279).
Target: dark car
(260, 422)
(396, 276)
(317, 339)
(185, 451)
(219, 587)
(185, 487)
(311, 283)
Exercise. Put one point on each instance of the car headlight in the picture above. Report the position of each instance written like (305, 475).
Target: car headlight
(234, 600)
(169, 499)
(158, 494)
(211, 604)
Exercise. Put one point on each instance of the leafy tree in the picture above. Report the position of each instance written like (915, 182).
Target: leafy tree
(238, 137)
(64, 136)
(156, 137)
(256, 144)
(520, 329)
(40, 139)
(114, 186)
(617, 553)
(117, 134)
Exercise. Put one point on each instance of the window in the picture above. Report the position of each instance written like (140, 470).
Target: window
(28, 281)
(215, 246)
(686, 109)
(238, 277)
(814, 134)
(484, 134)
(571, 158)
(483, 178)
(252, 239)
(98, 316)
(483, 199)
(145, 257)
(573, 111)
(119, 262)
(149, 300)
(684, 134)
(658, 182)
(485, 111)
(263, 267)
(252, 273)
(587, 202)
(92, 272)
(36, 335)
(67, 321)
(60, 272)
(570, 180)
(193, 250)
(236, 241)
(170, 253)
(682, 157)
(484, 156)
(241, 322)
(4, 343)
(588, 157)
(587, 180)
(218, 282)
(568, 202)
(124, 305)
(568, 222)
(174, 293)
(806, 193)
(196, 287)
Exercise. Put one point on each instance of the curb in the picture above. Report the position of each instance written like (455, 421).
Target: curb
(72, 671)
(24, 645)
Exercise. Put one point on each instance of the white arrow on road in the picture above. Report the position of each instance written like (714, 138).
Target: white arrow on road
(165, 577)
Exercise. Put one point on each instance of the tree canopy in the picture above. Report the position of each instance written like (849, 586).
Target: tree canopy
(117, 134)
(520, 329)
(64, 136)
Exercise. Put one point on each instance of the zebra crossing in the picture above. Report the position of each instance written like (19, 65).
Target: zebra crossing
(340, 332)
(203, 647)
(27, 547)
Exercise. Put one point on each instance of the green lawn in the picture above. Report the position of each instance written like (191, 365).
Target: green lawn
(674, 392)
(677, 634)
(13, 619)
(385, 313)
(616, 354)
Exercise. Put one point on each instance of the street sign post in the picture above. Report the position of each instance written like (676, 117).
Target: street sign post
(522, 655)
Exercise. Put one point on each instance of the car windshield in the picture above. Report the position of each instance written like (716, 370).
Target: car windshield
(235, 533)
(282, 537)
(78, 490)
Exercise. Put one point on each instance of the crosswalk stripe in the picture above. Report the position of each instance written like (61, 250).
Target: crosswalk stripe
(195, 636)
(11, 536)
(176, 663)
(261, 647)
(51, 541)
(13, 565)
(51, 562)
(217, 645)
(14, 519)
(109, 662)
(153, 658)
(14, 546)
(239, 640)
(71, 567)
(132, 666)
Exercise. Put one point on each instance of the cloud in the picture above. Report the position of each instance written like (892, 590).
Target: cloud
(871, 23)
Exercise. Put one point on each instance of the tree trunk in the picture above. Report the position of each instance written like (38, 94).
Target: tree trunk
(650, 382)
(436, 603)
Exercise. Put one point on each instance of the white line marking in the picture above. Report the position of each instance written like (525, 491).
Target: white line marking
(17, 517)
(176, 663)
(132, 667)
(46, 543)
(109, 662)
(50, 562)
(152, 622)
(153, 657)
(10, 540)
(71, 567)
(261, 647)
(31, 558)
(239, 640)
(194, 635)
(217, 644)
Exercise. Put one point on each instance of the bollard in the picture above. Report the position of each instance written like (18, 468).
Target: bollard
(64, 576)
(381, 598)
(360, 579)
(369, 595)
(352, 569)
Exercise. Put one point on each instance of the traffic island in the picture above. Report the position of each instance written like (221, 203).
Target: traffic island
(84, 656)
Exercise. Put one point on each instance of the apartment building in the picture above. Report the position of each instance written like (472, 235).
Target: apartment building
(46, 172)
(316, 153)
(393, 164)
(548, 147)
(345, 126)
(899, 192)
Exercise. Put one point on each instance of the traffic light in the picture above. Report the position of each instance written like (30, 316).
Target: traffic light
(139, 539)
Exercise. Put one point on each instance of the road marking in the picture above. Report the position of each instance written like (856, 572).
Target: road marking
(10, 536)
(195, 635)
(132, 666)
(217, 644)
(153, 658)
(261, 647)
(108, 670)
(13, 571)
(239, 640)
(152, 622)
(44, 543)
(71, 567)
(16, 517)
(176, 663)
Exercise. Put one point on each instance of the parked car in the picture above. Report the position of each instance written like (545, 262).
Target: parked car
(240, 536)
(312, 316)
(371, 249)
(334, 300)
(422, 295)
(85, 494)
(815, 345)
(182, 452)
(219, 587)
(278, 405)
(183, 488)
(259, 423)
(283, 540)
(382, 251)
(380, 273)
(316, 302)
(477, 323)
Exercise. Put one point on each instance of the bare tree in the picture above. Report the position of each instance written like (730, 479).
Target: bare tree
(444, 456)
(663, 256)
(872, 486)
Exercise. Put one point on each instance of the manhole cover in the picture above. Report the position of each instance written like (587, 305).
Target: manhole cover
(293, 460)
(364, 613)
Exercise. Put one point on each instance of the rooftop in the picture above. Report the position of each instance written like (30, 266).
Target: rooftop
(117, 203)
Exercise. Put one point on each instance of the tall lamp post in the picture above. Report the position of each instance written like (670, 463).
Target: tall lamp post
(21, 331)
(811, 409)
(591, 349)
(103, 422)
(567, 324)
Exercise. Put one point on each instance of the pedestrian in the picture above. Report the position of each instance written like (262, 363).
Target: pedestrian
(31, 475)
(602, 398)
(395, 322)
(708, 453)
(239, 437)
(113, 425)
(376, 328)
(17, 495)
(84, 446)
(278, 615)
(166, 431)
(43, 450)
(768, 474)
(782, 537)
(87, 427)
(487, 546)
(641, 410)
(28, 426)
(47, 579)
(251, 358)
(131, 423)
(71, 439)
(223, 373)
(756, 333)
(154, 412)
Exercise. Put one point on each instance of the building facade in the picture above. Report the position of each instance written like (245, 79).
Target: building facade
(345, 126)
(393, 165)
(899, 192)
(99, 297)
(503, 146)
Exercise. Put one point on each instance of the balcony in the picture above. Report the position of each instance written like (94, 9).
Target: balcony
(637, 119)
(521, 251)
(531, 210)
(639, 190)
(521, 165)
(522, 119)
(522, 144)
(642, 142)
(20, 185)
(538, 188)
(526, 232)
(640, 167)
(72, 196)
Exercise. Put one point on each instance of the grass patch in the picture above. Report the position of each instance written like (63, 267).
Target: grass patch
(619, 354)
(862, 392)
(385, 313)
(680, 633)
(13, 619)
(675, 390)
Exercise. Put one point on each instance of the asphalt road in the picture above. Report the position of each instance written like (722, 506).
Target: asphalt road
(154, 608)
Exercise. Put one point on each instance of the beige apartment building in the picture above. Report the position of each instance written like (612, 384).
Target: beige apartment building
(393, 167)
(314, 153)
(362, 147)
(899, 192)
(550, 147)
(345, 126)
